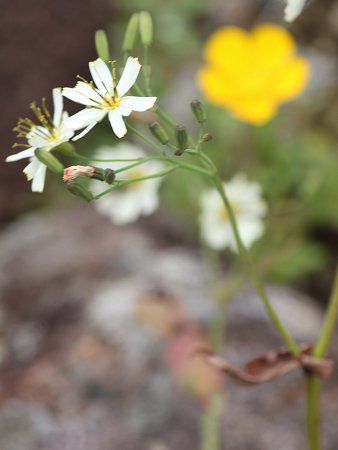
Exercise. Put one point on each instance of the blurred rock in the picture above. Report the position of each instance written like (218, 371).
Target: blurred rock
(90, 311)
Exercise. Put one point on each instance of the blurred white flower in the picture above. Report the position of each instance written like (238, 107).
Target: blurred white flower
(249, 208)
(106, 97)
(292, 9)
(128, 203)
(50, 134)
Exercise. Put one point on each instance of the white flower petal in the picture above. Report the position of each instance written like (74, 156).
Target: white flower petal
(117, 123)
(31, 169)
(58, 106)
(102, 76)
(38, 182)
(292, 9)
(66, 133)
(129, 76)
(21, 155)
(84, 118)
(125, 107)
(248, 206)
(89, 91)
(250, 229)
(84, 132)
(77, 96)
(140, 103)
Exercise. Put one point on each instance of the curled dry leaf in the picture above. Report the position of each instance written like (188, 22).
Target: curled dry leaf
(271, 365)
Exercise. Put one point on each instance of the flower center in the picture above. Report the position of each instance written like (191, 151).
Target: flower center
(223, 214)
(138, 173)
(111, 102)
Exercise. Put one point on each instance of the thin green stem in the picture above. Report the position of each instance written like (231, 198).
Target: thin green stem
(246, 259)
(146, 139)
(210, 435)
(164, 116)
(88, 158)
(312, 382)
(330, 322)
(122, 183)
(313, 412)
(176, 161)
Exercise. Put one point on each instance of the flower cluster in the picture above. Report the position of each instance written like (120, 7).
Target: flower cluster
(103, 96)
(134, 176)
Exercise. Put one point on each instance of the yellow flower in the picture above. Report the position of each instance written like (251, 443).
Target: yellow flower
(251, 74)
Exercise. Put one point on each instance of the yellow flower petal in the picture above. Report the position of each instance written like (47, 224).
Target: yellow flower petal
(251, 74)
(291, 80)
(256, 112)
(228, 48)
(271, 45)
(216, 86)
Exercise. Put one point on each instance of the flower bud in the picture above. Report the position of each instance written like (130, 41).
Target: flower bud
(131, 33)
(49, 160)
(146, 28)
(79, 190)
(72, 172)
(206, 137)
(102, 46)
(159, 132)
(107, 175)
(182, 138)
(66, 149)
(198, 111)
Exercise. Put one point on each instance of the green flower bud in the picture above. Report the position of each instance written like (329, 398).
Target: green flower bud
(131, 33)
(159, 132)
(198, 111)
(107, 175)
(49, 160)
(146, 28)
(182, 138)
(79, 190)
(66, 149)
(102, 46)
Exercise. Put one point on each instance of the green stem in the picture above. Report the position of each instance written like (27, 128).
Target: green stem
(176, 161)
(313, 412)
(246, 260)
(210, 435)
(145, 138)
(289, 342)
(330, 322)
(313, 383)
(167, 119)
(121, 183)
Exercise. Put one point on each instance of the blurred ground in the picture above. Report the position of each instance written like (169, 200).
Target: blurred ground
(86, 335)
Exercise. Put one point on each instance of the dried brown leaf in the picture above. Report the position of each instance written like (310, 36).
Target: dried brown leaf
(271, 365)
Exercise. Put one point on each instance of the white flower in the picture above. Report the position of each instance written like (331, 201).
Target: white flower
(51, 133)
(292, 9)
(249, 208)
(127, 203)
(106, 97)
